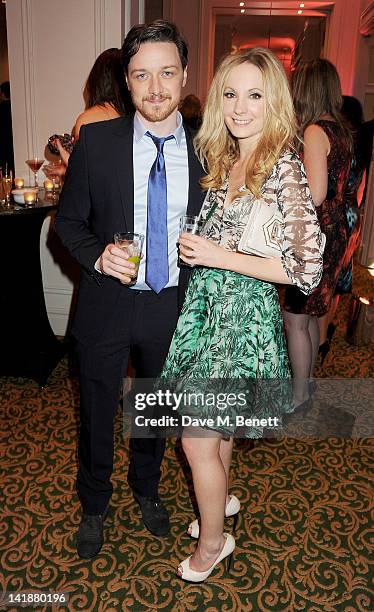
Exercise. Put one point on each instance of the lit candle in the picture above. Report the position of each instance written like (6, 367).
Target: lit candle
(19, 183)
(29, 197)
(48, 185)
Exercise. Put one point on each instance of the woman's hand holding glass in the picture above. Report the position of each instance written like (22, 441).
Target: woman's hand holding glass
(54, 169)
(198, 251)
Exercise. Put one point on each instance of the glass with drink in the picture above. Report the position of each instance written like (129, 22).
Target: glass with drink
(7, 181)
(56, 185)
(55, 171)
(190, 224)
(35, 164)
(133, 245)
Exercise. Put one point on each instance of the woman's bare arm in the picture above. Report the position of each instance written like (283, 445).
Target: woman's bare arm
(316, 150)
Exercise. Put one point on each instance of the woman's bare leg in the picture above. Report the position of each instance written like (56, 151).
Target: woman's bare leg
(225, 452)
(210, 485)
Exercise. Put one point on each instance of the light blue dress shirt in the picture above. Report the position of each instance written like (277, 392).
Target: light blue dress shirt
(177, 178)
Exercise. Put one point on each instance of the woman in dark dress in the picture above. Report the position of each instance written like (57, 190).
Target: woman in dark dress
(353, 114)
(327, 159)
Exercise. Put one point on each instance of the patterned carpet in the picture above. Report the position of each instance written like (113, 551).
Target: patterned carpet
(304, 537)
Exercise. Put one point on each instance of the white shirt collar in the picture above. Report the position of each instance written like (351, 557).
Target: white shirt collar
(140, 129)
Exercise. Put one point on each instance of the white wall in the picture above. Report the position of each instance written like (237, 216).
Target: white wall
(365, 47)
(186, 15)
(365, 4)
(52, 46)
(342, 41)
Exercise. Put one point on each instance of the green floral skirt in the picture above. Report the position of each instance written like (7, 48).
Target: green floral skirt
(229, 340)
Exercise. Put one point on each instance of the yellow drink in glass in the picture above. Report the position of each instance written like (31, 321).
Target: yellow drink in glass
(133, 244)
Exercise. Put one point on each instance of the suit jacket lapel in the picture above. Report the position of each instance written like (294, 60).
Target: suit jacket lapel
(124, 167)
(122, 159)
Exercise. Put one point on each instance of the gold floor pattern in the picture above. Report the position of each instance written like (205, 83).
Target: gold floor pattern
(304, 537)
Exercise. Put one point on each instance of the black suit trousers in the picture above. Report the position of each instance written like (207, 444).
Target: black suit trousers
(142, 324)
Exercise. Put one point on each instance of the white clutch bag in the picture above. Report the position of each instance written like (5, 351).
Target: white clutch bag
(264, 232)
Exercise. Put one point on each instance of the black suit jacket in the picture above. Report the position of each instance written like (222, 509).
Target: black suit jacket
(96, 202)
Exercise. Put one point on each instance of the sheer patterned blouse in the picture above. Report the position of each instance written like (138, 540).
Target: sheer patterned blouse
(302, 247)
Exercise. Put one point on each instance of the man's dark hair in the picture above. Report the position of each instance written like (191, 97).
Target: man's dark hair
(157, 31)
(5, 89)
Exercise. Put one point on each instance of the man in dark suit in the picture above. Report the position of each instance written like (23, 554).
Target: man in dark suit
(128, 174)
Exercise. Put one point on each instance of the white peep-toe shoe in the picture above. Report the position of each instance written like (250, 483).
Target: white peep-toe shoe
(191, 575)
(232, 509)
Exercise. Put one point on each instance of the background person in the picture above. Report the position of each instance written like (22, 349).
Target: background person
(106, 97)
(191, 112)
(327, 157)
(353, 114)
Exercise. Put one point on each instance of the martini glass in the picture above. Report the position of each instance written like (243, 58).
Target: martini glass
(35, 164)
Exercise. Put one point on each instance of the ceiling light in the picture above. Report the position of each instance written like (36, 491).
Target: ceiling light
(241, 3)
(299, 12)
(242, 11)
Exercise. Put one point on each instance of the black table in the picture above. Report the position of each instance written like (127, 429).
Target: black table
(28, 346)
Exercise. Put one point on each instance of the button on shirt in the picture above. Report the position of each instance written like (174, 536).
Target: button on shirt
(176, 166)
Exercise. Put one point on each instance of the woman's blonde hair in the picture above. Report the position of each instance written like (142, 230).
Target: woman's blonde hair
(316, 91)
(217, 149)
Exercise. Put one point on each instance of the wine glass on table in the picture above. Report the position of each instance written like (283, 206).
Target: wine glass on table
(55, 171)
(35, 164)
(7, 181)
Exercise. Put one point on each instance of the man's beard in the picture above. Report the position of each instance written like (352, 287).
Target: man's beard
(157, 113)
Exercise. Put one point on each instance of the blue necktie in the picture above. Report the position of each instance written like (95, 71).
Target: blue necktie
(157, 263)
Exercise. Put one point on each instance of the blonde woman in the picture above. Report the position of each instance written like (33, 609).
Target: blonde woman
(231, 325)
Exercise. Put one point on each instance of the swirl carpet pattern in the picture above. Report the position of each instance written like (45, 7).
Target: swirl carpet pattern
(304, 536)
